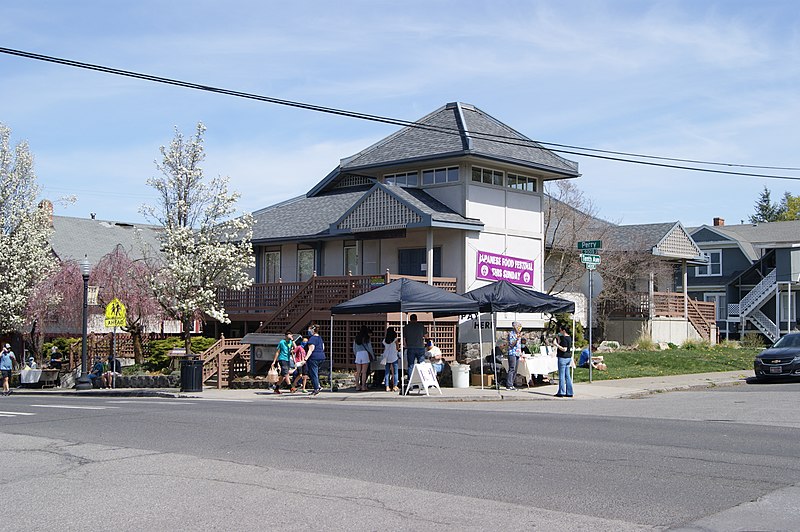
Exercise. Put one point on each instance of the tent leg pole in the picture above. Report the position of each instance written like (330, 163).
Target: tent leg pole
(330, 375)
(480, 346)
(494, 350)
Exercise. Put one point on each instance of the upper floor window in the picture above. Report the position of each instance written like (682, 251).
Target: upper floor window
(434, 176)
(305, 264)
(271, 266)
(487, 176)
(521, 182)
(714, 266)
(404, 179)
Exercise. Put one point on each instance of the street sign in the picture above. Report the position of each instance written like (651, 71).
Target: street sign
(591, 266)
(590, 244)
(590, 259)
(116, 314)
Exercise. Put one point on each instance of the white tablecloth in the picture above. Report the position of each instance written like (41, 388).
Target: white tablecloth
(535, 365)
(29, 376)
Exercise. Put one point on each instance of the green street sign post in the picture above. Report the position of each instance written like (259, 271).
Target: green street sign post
(587, 259)
(590, 244)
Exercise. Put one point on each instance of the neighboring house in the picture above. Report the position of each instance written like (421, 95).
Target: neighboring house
(76, 238)
(753, 275)
(648, 303)
(425, 202)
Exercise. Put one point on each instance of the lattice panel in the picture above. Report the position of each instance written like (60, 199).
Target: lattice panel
(678, 244)
(348, 181)
(444, 335)
(380, 210)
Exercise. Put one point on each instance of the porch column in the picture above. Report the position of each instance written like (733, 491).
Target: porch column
(651, 290)
(429, 256)
(685, 275)
(778, 309)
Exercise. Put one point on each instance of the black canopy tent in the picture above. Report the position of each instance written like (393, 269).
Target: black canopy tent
(502, 296)
(404, 296)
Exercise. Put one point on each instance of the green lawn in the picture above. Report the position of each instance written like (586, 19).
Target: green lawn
(628, 364)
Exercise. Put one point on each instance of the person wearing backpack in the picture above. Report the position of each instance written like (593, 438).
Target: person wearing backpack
(7, 363)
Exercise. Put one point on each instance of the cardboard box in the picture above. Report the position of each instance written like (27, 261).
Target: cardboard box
(475, 380)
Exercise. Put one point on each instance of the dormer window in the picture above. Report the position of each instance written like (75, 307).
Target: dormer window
(404, 179)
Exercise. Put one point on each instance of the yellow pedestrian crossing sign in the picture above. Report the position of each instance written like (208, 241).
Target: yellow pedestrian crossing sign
(116, 315)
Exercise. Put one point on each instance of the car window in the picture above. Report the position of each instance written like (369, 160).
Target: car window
(792, 340)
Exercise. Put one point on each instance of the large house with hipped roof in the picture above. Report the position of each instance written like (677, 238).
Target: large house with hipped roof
(453, 199)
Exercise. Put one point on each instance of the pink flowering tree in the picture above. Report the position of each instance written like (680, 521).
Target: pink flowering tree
(119, 276)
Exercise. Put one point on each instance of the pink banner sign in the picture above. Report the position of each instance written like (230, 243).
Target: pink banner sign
(493, 267)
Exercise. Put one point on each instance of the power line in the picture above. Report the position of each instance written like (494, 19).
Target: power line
(501, 139)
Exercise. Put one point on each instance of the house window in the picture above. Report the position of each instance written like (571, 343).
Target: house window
(521, 182)
(714, 266)
(487, 176)
(351, 259)
(435, 176)
(721, 302)
(305, 264)
(404, 179)
(271, 267)
(414, 262)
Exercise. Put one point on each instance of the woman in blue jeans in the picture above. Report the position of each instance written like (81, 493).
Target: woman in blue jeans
(315, 355)
(564, 359)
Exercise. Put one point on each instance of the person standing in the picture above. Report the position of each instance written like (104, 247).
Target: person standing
(564, 355)
(113, 370)
(514, 351)
(414, 336)
(301, 369)
(315, 355)
(282, 354)
(362, 348)
(391, 357)
(7, 363)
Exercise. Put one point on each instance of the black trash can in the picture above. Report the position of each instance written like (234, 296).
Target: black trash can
(192, 375)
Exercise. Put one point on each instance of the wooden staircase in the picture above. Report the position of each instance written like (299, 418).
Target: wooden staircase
(219, 359)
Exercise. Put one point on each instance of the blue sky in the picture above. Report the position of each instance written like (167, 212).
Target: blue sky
(692, 79)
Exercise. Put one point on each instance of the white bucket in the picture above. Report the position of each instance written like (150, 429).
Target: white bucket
(460, 375)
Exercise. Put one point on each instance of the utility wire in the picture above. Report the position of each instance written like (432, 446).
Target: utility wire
(501, 139)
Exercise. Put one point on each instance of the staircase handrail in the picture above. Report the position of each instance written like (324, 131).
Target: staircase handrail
(764, 324)
(758, 293)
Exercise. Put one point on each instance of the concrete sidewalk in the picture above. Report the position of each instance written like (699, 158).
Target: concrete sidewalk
(610, 389)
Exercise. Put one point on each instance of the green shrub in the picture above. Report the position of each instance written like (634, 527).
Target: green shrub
(645, 343)
(63, 345)
(753, 340)
(565, 320)
(158, 360)
(672, 346)
(691, 345)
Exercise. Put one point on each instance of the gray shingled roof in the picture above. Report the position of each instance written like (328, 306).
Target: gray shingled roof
(303, 216)
(429, 205)
(760, 235)
(311, 217)
(767, 234)
(73, 238)
(640, 237)
(459, 129)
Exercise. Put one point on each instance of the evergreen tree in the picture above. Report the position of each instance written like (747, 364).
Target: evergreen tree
(766, 211)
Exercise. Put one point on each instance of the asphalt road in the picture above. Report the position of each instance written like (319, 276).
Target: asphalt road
(685, 459)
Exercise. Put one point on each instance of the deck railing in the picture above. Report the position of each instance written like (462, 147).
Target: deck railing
(701, 314)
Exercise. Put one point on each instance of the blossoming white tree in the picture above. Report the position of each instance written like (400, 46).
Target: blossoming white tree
(203, 245)
(25, 256)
